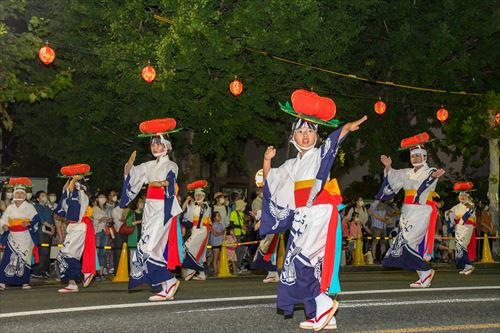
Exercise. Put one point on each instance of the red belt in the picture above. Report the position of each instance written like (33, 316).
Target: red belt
(18, 228)
(156, 193)
(409, 200)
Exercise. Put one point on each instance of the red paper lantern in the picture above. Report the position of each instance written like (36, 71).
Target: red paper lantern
(46, 54)
(157, 126)
(148, 74)
(442, 114)
(379, 107)
(311, 104)
(463, 186)
(497, 120)
(236, 87)
(75, 169)
(197, 184)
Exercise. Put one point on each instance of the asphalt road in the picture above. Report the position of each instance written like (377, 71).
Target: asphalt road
(375, 301)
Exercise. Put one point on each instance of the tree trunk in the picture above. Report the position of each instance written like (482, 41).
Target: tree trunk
(493, 179)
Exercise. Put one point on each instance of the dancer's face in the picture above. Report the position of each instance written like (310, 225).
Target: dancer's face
(199, 197)
(417, 158)
(157, 148)
(305, 137)
(19, 196)
(462, 197)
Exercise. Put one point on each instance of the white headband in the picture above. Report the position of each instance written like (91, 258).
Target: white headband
(199, 190)
(300, 123)
(418, 150)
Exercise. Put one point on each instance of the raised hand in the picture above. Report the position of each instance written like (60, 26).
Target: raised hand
(386, 161)
(270, 153)
(354, 126)
(130, 163)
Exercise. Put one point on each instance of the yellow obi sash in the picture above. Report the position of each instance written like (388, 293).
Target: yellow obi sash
(303, 188)
(410, 194)
(17, 222)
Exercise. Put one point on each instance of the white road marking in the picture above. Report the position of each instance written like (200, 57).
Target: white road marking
(360, 303)
(409, 290)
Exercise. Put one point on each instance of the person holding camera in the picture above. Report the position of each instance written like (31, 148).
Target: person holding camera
(45, 234)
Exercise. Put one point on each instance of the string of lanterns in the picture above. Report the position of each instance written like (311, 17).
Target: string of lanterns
(47, 56)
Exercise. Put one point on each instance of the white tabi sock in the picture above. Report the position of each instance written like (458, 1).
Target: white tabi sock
(271, 274)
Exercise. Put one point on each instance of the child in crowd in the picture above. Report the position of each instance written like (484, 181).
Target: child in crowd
(216, 240)
(230, 240)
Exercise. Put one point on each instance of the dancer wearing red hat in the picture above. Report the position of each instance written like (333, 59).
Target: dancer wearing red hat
(463, 217)
(300, 197)
(78, 252)
(18, 233)
(159, 249)
(414, 243)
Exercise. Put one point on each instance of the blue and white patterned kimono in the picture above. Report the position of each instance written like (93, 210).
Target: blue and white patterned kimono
(15, 267)
(161, 241)
(73, 207)
(416, 229)
(313, 251)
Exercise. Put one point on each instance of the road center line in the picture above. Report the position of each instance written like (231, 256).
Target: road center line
(253, 298)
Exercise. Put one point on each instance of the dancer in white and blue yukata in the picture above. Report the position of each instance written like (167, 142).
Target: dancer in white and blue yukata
(462, 219)
(18, 234)
(414, 243)
(298, 196)
(159, 250)
(195, 248)
(78, 252)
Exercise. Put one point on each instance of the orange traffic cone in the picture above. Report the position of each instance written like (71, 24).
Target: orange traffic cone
(358, 254)
(486, 257)
(281, 252)
(223, 262)
(122, 271)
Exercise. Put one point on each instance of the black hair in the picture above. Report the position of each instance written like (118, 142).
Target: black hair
(37, 194)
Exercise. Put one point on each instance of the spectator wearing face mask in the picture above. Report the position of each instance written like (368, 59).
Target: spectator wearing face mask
(45, 234)
(101, 218)
(29, 195)
(221, 208)
(112, 201)
(52, 201)
(8, 197)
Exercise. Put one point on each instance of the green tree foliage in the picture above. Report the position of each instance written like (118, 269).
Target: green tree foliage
(20, 38)
(207, 43)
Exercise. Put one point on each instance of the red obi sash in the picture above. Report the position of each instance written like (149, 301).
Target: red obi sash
(156, 193)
